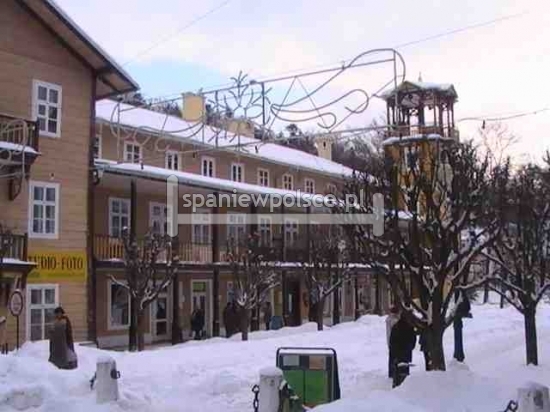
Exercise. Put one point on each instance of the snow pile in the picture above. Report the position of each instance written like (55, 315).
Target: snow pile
(218, 374)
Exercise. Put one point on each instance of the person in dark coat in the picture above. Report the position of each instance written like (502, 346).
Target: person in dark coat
(229, 319)
(62, 353)
(424, 347)
(462, 311)
(391, 320)
(402, 343)
(267, 314)
(197, 323)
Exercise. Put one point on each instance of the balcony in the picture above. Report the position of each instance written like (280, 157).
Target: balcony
(18, 134)
(14, 247)
(109, 248)
(417, 130)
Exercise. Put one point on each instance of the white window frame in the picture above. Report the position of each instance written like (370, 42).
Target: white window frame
(199, 219)
(164, 219)
(331, 189)
(169, 160)
(122, 200)
(208, 159)
(297, 231)
(290, 180)
(312, 184)
(44, 185)
(28, 305)
(237, 220)
(134, 144)
(263, 180)
(59, 106)
(261, 220)
(239, 167)
(409, 151)
(110, 326)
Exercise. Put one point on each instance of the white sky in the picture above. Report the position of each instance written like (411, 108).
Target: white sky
(498, 69)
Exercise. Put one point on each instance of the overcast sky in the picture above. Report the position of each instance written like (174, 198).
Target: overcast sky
(497, 69)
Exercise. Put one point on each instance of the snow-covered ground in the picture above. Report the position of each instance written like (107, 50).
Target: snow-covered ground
(217, 375)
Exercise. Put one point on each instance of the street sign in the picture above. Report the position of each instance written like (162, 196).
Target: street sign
(15, 304)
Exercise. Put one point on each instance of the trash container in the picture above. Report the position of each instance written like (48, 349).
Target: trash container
(311, 372)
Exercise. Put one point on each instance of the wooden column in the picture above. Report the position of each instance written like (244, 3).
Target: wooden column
(255, 320)
(216, 270)
(132, 341)
(284, 285)
(176, 326)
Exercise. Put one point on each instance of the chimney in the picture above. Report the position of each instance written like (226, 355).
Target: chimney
(324, 146)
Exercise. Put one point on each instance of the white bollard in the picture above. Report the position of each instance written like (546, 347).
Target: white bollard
(270, 381)
(533, 397)
(106, 380)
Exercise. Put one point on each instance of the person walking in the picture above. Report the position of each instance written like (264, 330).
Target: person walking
(197, 323)
(229, 319)
(391, 320)
(402, 343)
(268, 313)
(463, 311)
(62, 353)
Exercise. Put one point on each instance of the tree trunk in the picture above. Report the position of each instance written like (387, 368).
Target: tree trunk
(141, 330)
(132, 330)
(486, 293)
(437, 354)
(244, 321)
(319, 306)
(531, 335)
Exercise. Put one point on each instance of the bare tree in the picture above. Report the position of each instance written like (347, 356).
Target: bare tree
(433, 192)
(496, 140)
(252, 279)
(521, 254)
(326, 271)
(150, 268)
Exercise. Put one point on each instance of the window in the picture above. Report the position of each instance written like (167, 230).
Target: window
(208, 167)
(264, 227)
(47, 107)
(173, 160)
(410, 157)
(288, 182)
(41, 302)
(236, 229)
(263, 177)
(237, 172)
(132, 153)
(44, 210)
(331, 189)
(230, 297)
(158, 213)
(291, 232)
(119, 215)
(309, 186)
(119, 306)
(202, 221)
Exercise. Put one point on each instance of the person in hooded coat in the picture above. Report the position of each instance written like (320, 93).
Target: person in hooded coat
(402, 343)
(391, 320)
(463, 311)
(229, 319)
(62, 353)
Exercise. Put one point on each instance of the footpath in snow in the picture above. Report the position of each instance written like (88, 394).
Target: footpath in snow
(217, 375)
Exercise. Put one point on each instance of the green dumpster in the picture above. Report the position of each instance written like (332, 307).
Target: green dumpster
(311, 372)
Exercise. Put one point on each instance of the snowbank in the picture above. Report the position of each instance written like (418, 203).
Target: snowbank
(217, 375)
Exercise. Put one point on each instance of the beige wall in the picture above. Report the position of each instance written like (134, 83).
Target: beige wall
(29, 52)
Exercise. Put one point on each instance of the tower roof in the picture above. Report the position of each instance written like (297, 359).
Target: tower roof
(445, 89)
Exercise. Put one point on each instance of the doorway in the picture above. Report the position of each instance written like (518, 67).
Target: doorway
(160, 317)
(200, 298)
(293, 302)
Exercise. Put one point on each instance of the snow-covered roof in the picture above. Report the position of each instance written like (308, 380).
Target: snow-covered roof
(407, 85)
(179, 129)
(196, 180)
(414, 138)
(17, 148)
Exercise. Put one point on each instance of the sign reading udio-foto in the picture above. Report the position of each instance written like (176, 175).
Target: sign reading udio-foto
(58, 265)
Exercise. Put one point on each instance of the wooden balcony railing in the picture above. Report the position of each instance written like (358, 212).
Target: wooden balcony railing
(406, 130)
(110, 248)
(18, 131)
(16, 246)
